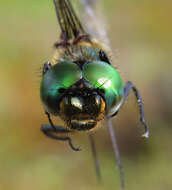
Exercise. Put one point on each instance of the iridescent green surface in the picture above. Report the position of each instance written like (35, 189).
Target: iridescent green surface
(64, 74)
(61, 75)
(104, 76)
(141, 31)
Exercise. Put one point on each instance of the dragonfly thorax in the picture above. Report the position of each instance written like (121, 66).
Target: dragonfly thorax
(86, 52)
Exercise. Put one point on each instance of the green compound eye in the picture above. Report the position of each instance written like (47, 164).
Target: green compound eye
(60, 76)
(104, 76)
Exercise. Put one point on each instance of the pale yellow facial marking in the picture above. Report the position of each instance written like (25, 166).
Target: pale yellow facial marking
(102, 110)
(76, 102)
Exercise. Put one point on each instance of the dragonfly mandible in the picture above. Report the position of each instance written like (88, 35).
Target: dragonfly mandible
(81, 86)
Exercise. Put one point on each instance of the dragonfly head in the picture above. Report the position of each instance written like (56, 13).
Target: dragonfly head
(81, 96)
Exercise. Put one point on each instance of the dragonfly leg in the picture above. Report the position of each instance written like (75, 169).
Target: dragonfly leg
(50, 130)
(127, 88)
(116, 150)
(95, 157)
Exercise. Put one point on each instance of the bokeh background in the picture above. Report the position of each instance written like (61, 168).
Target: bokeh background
(141, 36)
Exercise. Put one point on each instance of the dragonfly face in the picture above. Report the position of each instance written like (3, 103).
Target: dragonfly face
(81, 90)
(82, 107)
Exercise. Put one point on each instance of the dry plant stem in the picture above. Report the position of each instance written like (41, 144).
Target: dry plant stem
(116, 150)
(95, 157)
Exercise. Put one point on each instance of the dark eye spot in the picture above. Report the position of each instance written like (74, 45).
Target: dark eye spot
(104, 57)
(61, 90)
(101, 90)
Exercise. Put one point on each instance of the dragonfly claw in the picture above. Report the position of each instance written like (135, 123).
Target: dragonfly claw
(146, 135)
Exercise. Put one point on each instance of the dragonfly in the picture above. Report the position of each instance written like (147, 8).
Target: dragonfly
(81, 86)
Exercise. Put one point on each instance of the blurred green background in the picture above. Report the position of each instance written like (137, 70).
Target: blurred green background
(141, 36)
